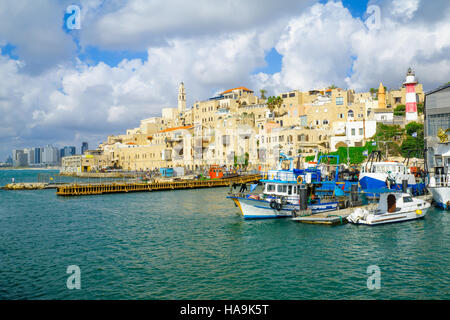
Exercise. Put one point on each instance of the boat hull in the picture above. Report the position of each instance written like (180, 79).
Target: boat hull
(378, 181)
(260, 209)
(441, 196)
(373, 219)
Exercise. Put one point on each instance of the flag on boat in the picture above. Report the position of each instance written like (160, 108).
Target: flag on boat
(414, 134)
(365, 153)
(253, 187)
(374, 143)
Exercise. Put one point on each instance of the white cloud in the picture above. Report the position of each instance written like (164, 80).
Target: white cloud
(35, 29)
(326, 45)
(404, 8)
(66, 102)
(139, 24)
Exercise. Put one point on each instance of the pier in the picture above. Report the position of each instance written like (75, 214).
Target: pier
(118, 187)
(336, 217)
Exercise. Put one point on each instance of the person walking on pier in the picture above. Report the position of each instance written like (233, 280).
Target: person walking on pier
(243, 188)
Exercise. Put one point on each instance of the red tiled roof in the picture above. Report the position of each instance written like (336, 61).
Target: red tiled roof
(243, 88)
(177, 128)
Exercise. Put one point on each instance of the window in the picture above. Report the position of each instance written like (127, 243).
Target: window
(407, 199)
(361, 131)
(292, 94)
(289, 190)
(339, 101)
(270, 187)
(325, 122)
(353, 131)
(279, 188)
(350, 114)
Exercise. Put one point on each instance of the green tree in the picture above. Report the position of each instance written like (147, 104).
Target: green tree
(420, 108)
(356, 154)
(414, 140)
(263, 93)
(400, 110)
(392, 134)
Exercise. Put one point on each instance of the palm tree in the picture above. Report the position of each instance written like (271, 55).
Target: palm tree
(263, 93)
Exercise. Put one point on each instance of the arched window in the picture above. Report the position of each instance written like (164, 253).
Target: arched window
(350, 114)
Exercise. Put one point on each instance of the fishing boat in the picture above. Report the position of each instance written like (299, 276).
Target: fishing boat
(283, 195)
(392, 207)
(439, 177)
(377, 174)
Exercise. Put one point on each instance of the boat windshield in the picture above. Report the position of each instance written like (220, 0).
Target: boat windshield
(407, 199)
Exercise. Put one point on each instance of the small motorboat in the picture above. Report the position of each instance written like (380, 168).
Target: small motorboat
(392, 207)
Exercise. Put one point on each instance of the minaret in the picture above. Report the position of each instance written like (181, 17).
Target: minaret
(411, 105)
(381, 97)
(181, 98)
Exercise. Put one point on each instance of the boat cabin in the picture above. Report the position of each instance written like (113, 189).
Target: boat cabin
(282, 189)
(385, 167)
(393, 202)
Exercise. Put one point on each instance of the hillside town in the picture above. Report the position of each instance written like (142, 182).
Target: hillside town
(238, 128)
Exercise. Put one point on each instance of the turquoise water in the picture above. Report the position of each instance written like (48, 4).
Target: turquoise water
(192, 244)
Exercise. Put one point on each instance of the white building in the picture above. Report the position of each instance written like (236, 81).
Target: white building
(352, 133)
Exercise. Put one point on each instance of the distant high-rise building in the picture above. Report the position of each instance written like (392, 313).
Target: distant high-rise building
(37, 155)
(9, 160)
(68, 151)
(19, 158)
(84, 147)
(30, 155)
(50, 155)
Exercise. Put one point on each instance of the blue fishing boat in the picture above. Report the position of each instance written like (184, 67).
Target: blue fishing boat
(281, 194)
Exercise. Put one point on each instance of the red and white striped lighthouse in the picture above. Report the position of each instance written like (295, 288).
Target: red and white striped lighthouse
(411, 104)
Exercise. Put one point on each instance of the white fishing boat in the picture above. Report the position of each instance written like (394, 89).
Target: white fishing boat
(439, 177)
(387, 174)
(392, 207)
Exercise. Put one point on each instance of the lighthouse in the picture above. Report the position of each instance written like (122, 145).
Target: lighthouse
(181, 98)
(411, 105)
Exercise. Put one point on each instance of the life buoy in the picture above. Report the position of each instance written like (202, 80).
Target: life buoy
(299, 179)
(273, 204)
